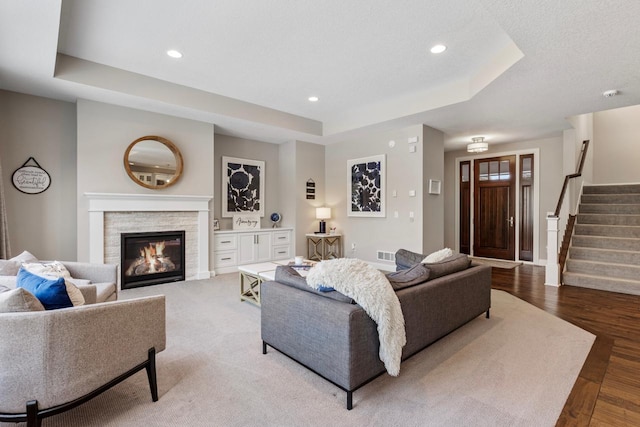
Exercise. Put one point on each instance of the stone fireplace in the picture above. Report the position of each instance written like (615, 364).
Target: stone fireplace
(112, 214)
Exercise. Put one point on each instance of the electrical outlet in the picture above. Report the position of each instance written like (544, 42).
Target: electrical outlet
(353, 246)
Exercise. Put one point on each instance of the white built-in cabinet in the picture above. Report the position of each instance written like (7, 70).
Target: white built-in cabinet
(235, 247)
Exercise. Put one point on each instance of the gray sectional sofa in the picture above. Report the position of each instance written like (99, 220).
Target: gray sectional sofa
(334, 337)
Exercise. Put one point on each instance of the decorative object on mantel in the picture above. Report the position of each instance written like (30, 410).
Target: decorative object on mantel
(478, 145)
(311, 189)
(243, 186)
(246, 222)
(216, 224)
(153, 162)
(366, 186)
(31, 179)
(276, 217)
(322, 214)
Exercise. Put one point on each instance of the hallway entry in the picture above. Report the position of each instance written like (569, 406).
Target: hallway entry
(494, 185)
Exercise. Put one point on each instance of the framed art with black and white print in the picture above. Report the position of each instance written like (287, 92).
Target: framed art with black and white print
(366, 186)
(243, 186)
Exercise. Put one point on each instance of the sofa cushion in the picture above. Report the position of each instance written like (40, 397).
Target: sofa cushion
(9, 267)
(450, 265)
(52, 293)
(18, 300)
(289, 276)
(438, 256)
(54, 270)
(415, 275)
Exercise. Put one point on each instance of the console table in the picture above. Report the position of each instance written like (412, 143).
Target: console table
(324, 246)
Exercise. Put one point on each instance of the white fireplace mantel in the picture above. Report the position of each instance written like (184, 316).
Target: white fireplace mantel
(99, 203)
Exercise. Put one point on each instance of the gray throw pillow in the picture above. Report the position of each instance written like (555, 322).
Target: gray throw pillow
(453, 264)
(18, 300)
(289, 276)
(406, 259)
(415, 275)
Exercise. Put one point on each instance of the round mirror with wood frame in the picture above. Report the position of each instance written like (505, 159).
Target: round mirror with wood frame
(153, 162)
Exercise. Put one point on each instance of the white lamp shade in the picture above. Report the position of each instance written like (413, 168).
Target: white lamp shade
(323, 213)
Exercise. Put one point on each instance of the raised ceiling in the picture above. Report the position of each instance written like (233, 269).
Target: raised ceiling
(512, 71)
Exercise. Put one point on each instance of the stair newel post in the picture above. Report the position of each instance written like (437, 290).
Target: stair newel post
(552, 270)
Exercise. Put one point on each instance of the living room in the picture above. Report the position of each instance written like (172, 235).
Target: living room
(79, 135)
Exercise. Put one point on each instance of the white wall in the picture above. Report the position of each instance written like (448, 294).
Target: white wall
(404, 173)
(617, 149)
(31, 126)
(104, 133)
(550, 179)
(432, 204)
(310, 164)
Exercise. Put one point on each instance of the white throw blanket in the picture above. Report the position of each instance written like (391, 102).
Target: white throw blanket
(371, 289)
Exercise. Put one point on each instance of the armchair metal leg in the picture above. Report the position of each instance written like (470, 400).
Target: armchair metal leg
(32, 414)
(264, 347)
(349, 400)
(151, 374)
(488, 312)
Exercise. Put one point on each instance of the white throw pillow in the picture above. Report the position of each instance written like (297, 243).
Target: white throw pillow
(25, 256)
(56, 269)
(438, 256)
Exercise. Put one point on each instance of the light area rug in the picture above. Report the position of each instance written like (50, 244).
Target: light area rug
(514, 369)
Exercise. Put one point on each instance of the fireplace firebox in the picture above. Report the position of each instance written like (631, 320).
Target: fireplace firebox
(151, 258)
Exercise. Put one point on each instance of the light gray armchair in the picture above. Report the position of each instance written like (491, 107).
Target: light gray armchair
(55, 360)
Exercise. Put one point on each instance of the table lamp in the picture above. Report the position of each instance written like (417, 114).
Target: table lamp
(322, 214)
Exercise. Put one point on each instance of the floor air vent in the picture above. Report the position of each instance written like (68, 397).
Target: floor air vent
(386, 256)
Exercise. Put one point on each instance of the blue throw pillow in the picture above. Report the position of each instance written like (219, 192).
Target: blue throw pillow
(52, 293)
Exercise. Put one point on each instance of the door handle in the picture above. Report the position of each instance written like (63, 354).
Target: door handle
(510, 221)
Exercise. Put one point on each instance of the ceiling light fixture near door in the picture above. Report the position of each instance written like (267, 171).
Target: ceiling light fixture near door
(439, 48)
(313, 99)
(610, 93)
(174, 54)
(478, 145)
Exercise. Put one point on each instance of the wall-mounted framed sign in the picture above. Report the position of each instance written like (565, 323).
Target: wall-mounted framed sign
(31, 179)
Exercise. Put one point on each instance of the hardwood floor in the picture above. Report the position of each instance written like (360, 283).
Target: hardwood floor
(607, 391)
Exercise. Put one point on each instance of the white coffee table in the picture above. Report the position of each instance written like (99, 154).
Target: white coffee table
(252, 275)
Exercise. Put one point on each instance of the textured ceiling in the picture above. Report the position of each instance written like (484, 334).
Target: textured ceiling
(512, 71)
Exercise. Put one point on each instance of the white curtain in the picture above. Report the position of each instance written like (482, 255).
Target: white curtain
(5, 249)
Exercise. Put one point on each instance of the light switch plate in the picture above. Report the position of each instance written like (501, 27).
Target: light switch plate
(412, 193)
(412, 140)
(412, 148)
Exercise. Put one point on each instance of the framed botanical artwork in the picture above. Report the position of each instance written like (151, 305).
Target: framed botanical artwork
(366, 186)
(243, 186)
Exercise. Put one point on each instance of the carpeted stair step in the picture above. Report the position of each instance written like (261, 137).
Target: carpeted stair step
(611, 189)
(607, 230)
(616, 243)
(611, 209)
(602, 283)
(605, 255)
(610, 270)
(633, 220)
(624, 199)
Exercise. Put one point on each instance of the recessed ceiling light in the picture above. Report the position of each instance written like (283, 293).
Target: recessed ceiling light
(313, 98)
(439, 48)
(174, 54)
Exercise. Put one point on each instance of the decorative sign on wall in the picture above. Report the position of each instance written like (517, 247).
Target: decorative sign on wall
(243, 186)
(311, 189)
(246, 222)
(31, 179)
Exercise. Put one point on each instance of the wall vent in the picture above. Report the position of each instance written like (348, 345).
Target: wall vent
(386, 256)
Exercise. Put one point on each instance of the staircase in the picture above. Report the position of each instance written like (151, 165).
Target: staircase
(605, 248)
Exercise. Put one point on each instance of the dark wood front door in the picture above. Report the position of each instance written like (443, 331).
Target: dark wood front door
(494, 200)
